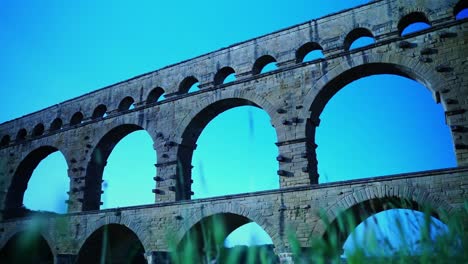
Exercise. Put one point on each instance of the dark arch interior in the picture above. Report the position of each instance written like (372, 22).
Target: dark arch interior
(76, 119)
(354, 35)
(95, 168)
(415, 17)
(187, 83)
(26, 248)
(112, 243)
(21, 135)
(305, 49)
(126, 104)
(14, 198)
(38, 130)
(338, 230)
(462, 5)
(154, 95)
(261, 62)
(222, 74)
(56, 124)
(205, 240)
(5, 140)
(99, 111)
(190, 137)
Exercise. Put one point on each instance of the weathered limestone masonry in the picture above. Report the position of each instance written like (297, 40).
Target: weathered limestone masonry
(86, 128)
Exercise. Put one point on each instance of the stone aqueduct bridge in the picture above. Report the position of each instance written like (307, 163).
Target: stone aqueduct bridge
(85, 129)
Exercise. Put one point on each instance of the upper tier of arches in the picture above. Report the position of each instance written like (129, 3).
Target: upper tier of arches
(173, 81)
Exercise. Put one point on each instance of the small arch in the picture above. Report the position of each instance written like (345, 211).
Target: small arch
(56, 124)
(126, 104)
(460, 10)
(76, 119)
(27, 247)
(5, 141)
(261, 64)
(21, 135)
(222, 75)
(309, 52)
(38, 130)
(99, 111)
(189, 84)
(413, 22)
(112, 243)
(155, 95)
(357, 38)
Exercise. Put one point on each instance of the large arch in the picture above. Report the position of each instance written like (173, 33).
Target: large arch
(98, 160)
(27, 246)
(358, 67)
(192, 127)
(14, 198)
(204, 238)
(112, 243)
(341, 219)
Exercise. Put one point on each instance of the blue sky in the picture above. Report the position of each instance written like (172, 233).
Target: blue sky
(55, 50)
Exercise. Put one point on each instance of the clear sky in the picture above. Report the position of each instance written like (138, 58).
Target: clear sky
(52, 51)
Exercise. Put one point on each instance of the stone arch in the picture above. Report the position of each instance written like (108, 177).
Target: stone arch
(355, 34)
(38, 130)
(103, 147)
(5, 141)
(154, 95)
(303, 50)
(99, 111)
(186, 83)
(76, 119)
(359, 66)
(21, 135)
(38, 229)
(462, 4)
(192, 126)
(236, 210)
(13, 205)
(56, 124)
(410, 18)
(261, 62)
(125, 104)
(138, 228)
(118, 225)
(222, 73)
(374, 199)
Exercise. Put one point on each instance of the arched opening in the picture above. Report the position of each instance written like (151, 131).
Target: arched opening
(126, 152)
(126, 104)
(461, 10)
(413, 22)
(28, 247)
(240, 131)
(224, 75)
(189, 85)
(309, 52)
(38, 130)
(21, 135)
(76, 119)
(388, 229)
(99, 112)
(265, 63)
(226, 238)
(5, 141)
(56, 124)
(379, 125)
(156, 95)
(45, 164)
(112, 243)
(358, 38)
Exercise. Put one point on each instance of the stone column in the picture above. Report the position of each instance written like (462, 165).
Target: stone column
(286, 258)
